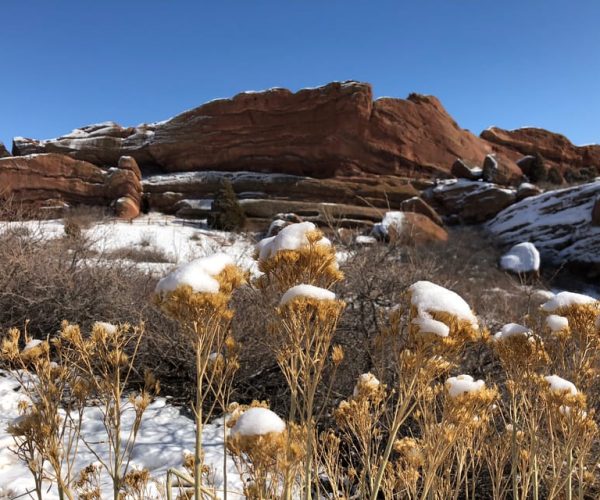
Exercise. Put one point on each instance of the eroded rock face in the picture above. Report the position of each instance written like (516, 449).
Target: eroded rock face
(556, 149)
(164, 192)
(34, 179)
(3, 151)
(559, 223)
(330, 131)
(470, 201)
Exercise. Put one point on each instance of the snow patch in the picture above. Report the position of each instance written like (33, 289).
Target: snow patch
(310, 291)
(566, 299)
(512, 330)
(198, 274)
(560, 385)
(557, 323)
(429, 298)
(292, 237)
(258, 422)
(463, 384)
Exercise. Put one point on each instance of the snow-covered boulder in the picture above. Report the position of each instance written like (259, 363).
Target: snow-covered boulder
(521, 258)
(558, 223)
(409, 227)
(258, 422)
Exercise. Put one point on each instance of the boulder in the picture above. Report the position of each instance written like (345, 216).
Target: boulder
(409, 228)
(420, 206)
(526, 190)
(465, 170)
(3, 151)
(559, 223)
(471, 201)
(596, 212)
(498, 171)
(556, 149)
(522, 258)
(165, 192)
(330, 131)
(35, 179)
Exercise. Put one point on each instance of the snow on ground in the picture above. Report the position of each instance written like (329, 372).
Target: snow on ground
(163, 438)
(179, 240)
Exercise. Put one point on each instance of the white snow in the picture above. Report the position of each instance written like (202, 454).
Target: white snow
(362, 239)
(310, 291)
(512, 330)
(292, 237)
(521, 258)
(258, 422)
(557, 323)
(429, 298)
(31, 345)
(197, 274)
(367, 382)
(163, 437)
(558, 222)
(566, 299)
(391, 220)
(463, 384)
(560, 385)
(430, 325)
(178, 240)
(108, 327)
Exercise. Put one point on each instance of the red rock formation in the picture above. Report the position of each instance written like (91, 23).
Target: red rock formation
(34, 179)
(335, 130)
(556, 149)
(3, 151)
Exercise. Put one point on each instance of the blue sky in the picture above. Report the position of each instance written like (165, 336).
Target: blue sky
(509, 63)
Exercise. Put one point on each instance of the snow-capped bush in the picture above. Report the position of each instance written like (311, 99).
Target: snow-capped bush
(512, 330)
(463, 384)
(309, 291)
(521, 258)
(198, 274)
(258, 422)
(367, 383)
(292, 237)
(108, 327)
(557, 323)
(32, 344)
(560, 385)
(566, 299)
(430, 298)
(430, 325)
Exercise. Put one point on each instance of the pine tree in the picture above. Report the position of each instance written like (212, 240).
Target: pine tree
(225, 212)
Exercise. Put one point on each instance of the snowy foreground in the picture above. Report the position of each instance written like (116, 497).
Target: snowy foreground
(178, 240)
(163, 438)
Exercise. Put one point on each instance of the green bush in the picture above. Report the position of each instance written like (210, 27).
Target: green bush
(225, 212)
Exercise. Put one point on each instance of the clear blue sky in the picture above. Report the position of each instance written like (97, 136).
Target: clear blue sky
(67, 63)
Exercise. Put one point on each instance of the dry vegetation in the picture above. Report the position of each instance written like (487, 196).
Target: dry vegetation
(413, 426)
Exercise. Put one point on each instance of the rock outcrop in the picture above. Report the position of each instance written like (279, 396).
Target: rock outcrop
(470, 201)
(3, 151)
(557, 151)
(331, 131)
(355, 201)
(35, 179)
(559, 223)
